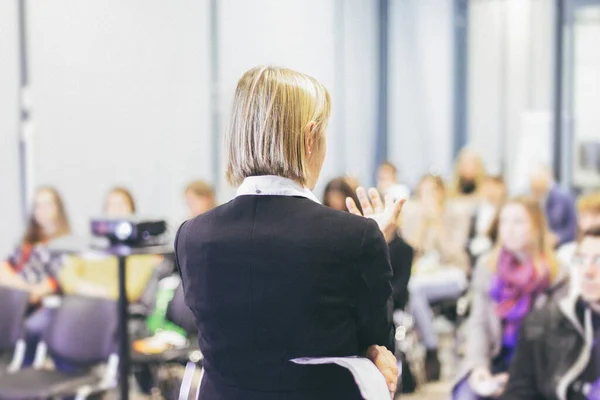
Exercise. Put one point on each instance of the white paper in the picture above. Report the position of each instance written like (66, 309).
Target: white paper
(370, 381)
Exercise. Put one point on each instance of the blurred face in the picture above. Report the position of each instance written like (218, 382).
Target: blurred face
(493, 192)
(430, 193)
(198, 204)
(540, 184)
(588, 220)
(468, 167)
(45, 211)
(336, 200)
(587, 262)
(516, 229)
(117, 205)
(386, 177)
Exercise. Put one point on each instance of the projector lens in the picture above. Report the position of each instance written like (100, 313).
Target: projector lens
(123, 230)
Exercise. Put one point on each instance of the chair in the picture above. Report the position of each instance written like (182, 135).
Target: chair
(179, 314)
(13, 307)
(82, 335)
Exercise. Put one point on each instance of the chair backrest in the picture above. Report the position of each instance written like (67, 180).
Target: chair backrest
(83, 330)
(13, 307)
(180, 314)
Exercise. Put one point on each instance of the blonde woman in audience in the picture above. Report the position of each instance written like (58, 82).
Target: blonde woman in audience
(469, 173)
(199, 197)
(438, 233)
(32, 266)
(515, 278)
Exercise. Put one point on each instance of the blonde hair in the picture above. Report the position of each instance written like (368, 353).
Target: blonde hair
(266, 135)
(544, 252)
(480, 175)
(200, 189)
(589, 203)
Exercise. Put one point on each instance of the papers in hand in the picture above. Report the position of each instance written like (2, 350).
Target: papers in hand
(370, 381)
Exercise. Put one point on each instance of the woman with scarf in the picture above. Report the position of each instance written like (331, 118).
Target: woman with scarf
(519, 275)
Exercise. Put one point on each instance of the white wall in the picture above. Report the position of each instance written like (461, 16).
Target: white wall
(121, 90)
(421, 87)
(586, 91)
(10, 210)
(510, 76)
(120, 96)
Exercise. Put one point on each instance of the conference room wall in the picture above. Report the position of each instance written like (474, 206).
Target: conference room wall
(333, 40)
(510, 83)
(421, 87)
(10, 209)
(120, 91)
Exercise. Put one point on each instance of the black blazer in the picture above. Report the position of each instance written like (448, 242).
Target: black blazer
(272, 278)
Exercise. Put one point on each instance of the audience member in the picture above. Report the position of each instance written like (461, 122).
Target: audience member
(493, 196)
(438, 234)
(387, 176)
(469, 173)
(199, 197)
(558, 351)
(336, 193)
(588, 210)
(388, 184)
(33, 267)
(557, 203)
(507, 285)
(119, 203)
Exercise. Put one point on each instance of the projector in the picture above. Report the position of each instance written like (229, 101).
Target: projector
(132, 231)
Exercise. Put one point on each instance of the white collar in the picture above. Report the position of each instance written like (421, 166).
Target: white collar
(273, 185)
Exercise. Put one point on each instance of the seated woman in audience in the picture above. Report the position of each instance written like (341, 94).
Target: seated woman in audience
(493, 196)
(32, 266)
(468, 174)
(438, 233)
(336, 193)
(200, 198)
(507, 284)
(119, 203)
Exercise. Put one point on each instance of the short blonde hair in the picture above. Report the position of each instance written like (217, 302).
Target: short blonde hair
(589, 203)
(266, 134)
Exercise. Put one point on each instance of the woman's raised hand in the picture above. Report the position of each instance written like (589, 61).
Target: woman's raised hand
(385, 214)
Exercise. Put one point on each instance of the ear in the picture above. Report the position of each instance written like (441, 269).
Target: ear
(309, 137)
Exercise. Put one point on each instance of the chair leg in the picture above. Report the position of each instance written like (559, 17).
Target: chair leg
(18, 357)
(186, 382)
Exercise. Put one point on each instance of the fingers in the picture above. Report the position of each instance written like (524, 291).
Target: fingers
(376, 200)
(398, 209)
(387, 365)
(351, 206)
(364, 202)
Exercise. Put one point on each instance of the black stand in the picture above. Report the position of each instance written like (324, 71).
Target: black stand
(78, 246)
(124, 346)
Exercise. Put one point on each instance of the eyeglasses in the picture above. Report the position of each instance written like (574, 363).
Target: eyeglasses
(583, 260)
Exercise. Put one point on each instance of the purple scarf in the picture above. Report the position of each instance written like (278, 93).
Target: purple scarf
(514, 289)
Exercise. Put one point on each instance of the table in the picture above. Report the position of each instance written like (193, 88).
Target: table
(76, 245)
